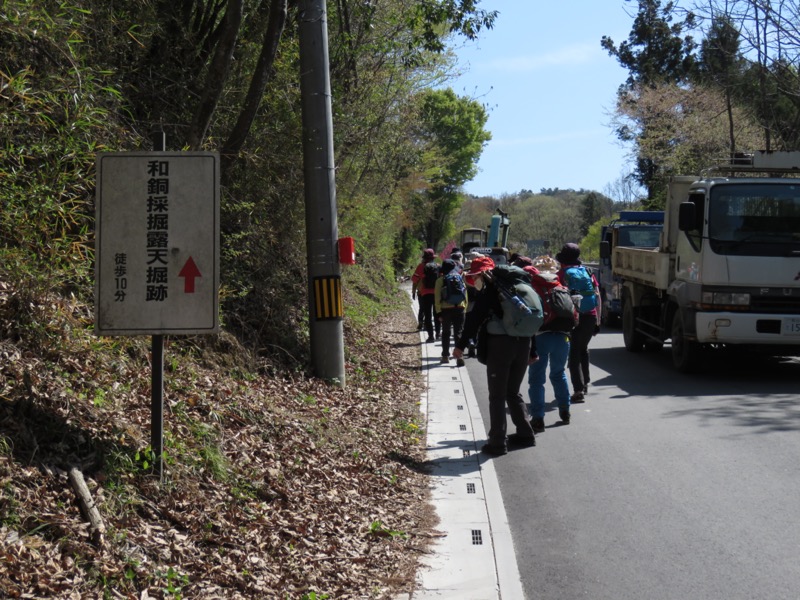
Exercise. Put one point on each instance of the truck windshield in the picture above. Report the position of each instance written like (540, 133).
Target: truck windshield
(758, 219)
(644, 236)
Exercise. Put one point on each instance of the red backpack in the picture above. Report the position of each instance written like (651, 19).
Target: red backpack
(556, 299)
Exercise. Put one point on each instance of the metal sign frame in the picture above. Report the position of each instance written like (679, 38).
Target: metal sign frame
(157, 243)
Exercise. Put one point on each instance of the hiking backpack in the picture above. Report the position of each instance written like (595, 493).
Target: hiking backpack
(522, 309)
(580, 283)
(556, 299)
(454, 291)
(430, 274)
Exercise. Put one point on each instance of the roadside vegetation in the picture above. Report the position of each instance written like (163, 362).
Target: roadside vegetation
(278, 485)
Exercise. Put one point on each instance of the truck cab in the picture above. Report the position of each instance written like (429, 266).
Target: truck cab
(632, 229)
(726, 274)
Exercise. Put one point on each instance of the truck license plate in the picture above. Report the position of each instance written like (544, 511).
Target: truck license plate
(791, 326)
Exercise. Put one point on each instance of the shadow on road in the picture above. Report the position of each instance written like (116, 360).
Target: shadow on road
(760, 393)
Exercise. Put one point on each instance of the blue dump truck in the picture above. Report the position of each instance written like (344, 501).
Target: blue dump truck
(634, 229)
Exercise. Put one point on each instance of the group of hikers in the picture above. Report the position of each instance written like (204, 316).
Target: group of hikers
(525, 315)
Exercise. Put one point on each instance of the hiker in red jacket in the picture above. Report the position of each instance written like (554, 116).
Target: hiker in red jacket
(423, 283)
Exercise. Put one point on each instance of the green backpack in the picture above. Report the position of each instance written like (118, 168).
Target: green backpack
(522, 307)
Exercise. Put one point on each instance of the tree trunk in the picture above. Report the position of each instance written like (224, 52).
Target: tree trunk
(272, 37)
(217, 75)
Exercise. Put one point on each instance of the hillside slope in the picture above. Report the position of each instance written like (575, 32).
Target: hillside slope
(275, 485)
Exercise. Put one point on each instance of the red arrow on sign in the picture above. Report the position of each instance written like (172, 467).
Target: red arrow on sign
(190, 272)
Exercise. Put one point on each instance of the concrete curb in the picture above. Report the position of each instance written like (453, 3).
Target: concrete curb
(475, 559)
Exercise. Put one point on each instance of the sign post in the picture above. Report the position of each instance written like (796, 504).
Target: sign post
(157, 252)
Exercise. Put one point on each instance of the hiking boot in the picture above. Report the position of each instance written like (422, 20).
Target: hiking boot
(577, 398)
(430, 339)
(519, 441)
(493, 450)
(445, 360)
(538, 425)
(564, 414)
(459, 362)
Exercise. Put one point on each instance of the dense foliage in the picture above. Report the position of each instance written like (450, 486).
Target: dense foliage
(224, 75)
(543, 222)
(252, 444)
(687, 105)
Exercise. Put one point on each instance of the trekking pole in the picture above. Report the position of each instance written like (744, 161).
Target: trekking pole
(515, 300)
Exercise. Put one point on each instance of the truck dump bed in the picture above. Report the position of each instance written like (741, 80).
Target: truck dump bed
(643, 265)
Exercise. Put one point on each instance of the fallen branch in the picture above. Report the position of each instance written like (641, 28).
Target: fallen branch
(85, 500)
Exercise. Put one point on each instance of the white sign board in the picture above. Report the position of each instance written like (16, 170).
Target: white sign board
(157, 243)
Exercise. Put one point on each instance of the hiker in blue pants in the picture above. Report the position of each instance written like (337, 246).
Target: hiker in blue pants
(549, 347)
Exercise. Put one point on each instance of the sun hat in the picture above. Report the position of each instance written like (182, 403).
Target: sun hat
(569, 254)
(522, 261)
(480, 264)
(428, 254)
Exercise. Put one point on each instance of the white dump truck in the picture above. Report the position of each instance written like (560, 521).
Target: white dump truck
(726, 273)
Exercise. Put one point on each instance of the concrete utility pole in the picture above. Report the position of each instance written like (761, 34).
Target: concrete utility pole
(324, 270)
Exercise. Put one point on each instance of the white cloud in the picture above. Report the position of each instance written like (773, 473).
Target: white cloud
(577, 54)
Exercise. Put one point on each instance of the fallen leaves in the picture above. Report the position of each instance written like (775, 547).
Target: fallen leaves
(273, 486)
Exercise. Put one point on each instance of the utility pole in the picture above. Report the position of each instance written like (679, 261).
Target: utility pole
(324, 270)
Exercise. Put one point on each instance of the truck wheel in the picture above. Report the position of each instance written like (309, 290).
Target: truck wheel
(634, 340)
(686, 354)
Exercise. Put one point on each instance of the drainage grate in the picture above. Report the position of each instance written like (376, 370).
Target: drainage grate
(460, 407)
(462, 427)
(477, 537)
(456, 391)
(470, 488)
(466, 453)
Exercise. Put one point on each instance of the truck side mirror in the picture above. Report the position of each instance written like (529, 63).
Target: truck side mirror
(687, 218)
(605, 250)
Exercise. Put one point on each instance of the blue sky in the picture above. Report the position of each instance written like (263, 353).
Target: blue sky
(548, 87)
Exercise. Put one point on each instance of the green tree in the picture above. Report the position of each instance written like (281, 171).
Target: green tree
(595, 206)
(451, 131)
(656, 52)
(682, 129)
(656, 49)
(720, 63)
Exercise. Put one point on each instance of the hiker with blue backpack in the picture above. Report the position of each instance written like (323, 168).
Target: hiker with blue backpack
(508, 313)
(586, 292)
(450, 298)
(550, 346)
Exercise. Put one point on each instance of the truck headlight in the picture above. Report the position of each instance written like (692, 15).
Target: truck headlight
(722, 299)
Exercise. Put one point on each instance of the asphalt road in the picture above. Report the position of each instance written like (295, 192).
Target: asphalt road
(664, 486)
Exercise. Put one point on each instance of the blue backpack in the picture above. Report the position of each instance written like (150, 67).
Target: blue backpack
(580, 283)
(454, 291)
